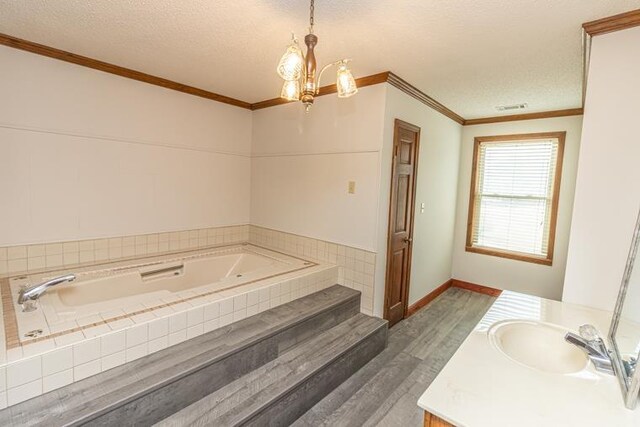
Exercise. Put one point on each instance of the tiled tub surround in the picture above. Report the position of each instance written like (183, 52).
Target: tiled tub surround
(34, 368)
(44, 365)
(23, 259)
(355, 266)
(115, 291)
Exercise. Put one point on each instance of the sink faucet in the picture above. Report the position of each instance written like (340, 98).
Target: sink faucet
(590, 342)
(32, 293)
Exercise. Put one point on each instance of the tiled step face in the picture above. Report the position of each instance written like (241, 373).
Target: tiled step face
(154, 387)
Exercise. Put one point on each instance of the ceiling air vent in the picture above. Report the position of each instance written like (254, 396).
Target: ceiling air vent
(511, 107)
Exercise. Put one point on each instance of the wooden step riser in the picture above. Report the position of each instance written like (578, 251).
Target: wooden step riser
(285, 409)
(163, 402)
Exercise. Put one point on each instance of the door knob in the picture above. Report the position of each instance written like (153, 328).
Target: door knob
(407, 240)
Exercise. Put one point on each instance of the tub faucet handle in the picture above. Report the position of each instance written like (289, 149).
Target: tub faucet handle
(29, 295)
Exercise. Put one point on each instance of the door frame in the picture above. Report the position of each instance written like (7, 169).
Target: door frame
(398, 124)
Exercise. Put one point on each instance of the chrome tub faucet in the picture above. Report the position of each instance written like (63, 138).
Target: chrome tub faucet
(30, 294)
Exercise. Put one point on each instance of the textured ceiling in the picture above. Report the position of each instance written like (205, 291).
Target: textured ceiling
(470, 55)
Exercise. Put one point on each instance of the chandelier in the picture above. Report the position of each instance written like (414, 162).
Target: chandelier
(299, 71)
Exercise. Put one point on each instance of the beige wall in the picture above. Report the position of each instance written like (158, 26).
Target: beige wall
(302, 164)
(436, 187)
(85, 154)
(607, 196)
(502, 273)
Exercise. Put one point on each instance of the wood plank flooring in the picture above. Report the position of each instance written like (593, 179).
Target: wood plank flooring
(386, 390)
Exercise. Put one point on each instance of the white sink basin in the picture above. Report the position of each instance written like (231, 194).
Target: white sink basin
(537, 345)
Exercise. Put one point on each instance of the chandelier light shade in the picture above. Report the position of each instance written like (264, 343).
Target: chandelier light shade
(299, 72)
(345, 82)
(290, 65)
(291, 90)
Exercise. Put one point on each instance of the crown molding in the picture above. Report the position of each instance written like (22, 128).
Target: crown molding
(325, 90)
(84, 61)
(613, 23)
(106, 67)
(528, 116)
(598, 27)
(384, 77)
(416, 93)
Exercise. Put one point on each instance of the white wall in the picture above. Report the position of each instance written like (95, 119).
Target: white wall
(503, 273)
(436, 187)
(86, 154)
(302, 164)
(607, 195)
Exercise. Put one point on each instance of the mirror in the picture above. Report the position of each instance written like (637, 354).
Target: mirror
(624, 335)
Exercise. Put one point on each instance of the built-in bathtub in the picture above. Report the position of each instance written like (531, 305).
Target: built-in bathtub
(117, 312)
(104, 293)
(163, 281)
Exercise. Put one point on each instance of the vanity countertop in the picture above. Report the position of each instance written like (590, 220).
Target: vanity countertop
(480, 386)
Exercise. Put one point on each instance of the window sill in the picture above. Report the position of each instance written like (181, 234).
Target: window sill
(518, 256)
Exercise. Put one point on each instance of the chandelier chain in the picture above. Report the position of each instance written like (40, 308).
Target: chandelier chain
(312, 10)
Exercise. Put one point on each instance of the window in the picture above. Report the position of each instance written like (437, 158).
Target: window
(513, 206)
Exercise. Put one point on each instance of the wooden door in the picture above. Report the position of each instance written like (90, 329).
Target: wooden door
(406, 141)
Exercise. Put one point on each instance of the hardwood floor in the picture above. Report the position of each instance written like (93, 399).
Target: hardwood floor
(385, 391)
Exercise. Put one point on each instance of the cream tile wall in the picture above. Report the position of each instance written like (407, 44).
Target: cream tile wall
(355, 266)
(15, 260)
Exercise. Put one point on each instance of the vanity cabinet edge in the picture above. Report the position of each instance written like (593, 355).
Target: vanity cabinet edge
(431, 420)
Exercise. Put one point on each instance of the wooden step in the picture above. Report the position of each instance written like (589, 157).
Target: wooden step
(154, 387)
(285, 388)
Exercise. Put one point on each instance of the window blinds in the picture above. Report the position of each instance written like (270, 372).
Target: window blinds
(514, 195)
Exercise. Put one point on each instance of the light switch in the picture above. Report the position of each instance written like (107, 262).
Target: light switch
(352, 187)
(422, 207)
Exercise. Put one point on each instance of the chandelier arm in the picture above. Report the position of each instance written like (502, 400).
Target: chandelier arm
(341, 61)
(326, 67)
